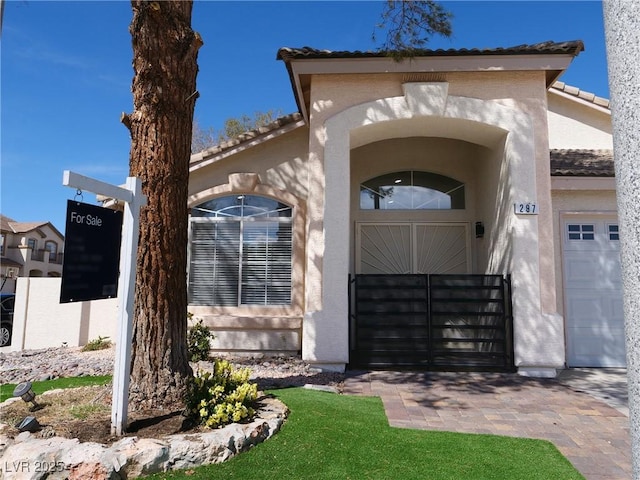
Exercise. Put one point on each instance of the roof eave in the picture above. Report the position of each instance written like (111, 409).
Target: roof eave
(301, 69)
(577, 99)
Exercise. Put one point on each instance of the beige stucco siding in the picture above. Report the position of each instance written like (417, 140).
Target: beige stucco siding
(513, 129)
(333, 93)
(575, 124)
(490, 130)
(280, 163)
(524, 91)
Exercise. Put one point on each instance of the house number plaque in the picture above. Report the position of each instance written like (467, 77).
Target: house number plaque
(526, 208)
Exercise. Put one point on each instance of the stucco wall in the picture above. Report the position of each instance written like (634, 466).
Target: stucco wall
(574, 125)
(524, 91)
(515, 128)
(280, 163)
(41, 321)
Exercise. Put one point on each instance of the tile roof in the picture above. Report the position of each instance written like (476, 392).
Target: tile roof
(10, 225)
(576, 92)
(5, 223)
(573, 47)
(582, 163)
(598, 163)
(255, 134)
(24, 227)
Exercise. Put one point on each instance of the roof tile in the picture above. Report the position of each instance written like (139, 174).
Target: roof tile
(246, 136)
(573, 47)
(576, 92)
(582, 163)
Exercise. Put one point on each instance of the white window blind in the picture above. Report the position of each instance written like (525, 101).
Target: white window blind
(243, 256)
(213, 272)
(266, 263)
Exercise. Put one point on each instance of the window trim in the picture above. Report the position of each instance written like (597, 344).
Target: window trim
(238, 186)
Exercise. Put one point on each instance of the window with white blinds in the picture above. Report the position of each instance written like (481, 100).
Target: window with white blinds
(240, 252)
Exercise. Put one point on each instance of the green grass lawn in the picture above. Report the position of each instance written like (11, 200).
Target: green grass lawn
(329, 436)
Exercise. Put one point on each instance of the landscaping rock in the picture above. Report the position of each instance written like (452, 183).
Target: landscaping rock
(30, 458)
(132, 456)
(52, 363)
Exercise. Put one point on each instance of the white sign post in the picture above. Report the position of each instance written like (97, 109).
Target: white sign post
(131, 195)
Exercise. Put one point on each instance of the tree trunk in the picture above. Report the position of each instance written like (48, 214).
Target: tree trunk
(165, 51)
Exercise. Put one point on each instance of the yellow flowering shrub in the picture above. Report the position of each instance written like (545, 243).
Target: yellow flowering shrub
(223, 396)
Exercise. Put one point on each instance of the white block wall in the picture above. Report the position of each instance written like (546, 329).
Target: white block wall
(41, 321)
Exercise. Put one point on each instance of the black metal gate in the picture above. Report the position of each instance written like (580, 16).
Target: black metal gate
(431, 322)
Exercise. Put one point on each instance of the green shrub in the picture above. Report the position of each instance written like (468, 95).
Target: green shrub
(222, 397)
(99, 343)
(198, 338)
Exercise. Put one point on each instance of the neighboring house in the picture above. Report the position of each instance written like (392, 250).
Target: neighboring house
(29, 249)
(401, 213)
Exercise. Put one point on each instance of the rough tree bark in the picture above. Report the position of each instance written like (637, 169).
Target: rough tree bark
(165, 50)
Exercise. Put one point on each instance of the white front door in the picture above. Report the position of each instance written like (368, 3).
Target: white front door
(412, 247)
(593, 292)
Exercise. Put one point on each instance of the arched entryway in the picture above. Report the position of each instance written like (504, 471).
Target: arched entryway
(419, 296)
(426, 110)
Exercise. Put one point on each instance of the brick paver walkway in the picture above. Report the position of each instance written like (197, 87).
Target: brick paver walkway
(588, 432)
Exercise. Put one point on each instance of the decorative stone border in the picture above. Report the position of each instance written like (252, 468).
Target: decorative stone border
(30, 458)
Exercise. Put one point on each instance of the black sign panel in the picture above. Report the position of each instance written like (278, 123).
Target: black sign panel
(91, 253)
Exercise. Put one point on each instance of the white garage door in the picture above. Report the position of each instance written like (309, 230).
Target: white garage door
(593, 292)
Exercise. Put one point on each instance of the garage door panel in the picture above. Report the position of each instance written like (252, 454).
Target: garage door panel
(581, 272)
(599, 333)
(593, 293)
(613, 274)
(597, 354)
(580, 269)
(597, 308)
(617, 308)
(585, 309)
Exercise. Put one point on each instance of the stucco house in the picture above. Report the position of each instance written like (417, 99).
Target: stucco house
(455, 210)
(29, 249)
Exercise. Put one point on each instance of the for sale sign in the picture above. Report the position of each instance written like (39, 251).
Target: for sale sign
(91, 254)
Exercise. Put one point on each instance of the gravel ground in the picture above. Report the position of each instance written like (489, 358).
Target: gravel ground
(50, 363)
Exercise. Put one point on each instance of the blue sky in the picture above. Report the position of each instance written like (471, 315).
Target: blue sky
(66, 74)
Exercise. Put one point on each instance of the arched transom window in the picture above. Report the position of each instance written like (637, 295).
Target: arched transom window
(240, 252)
(412, 190)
